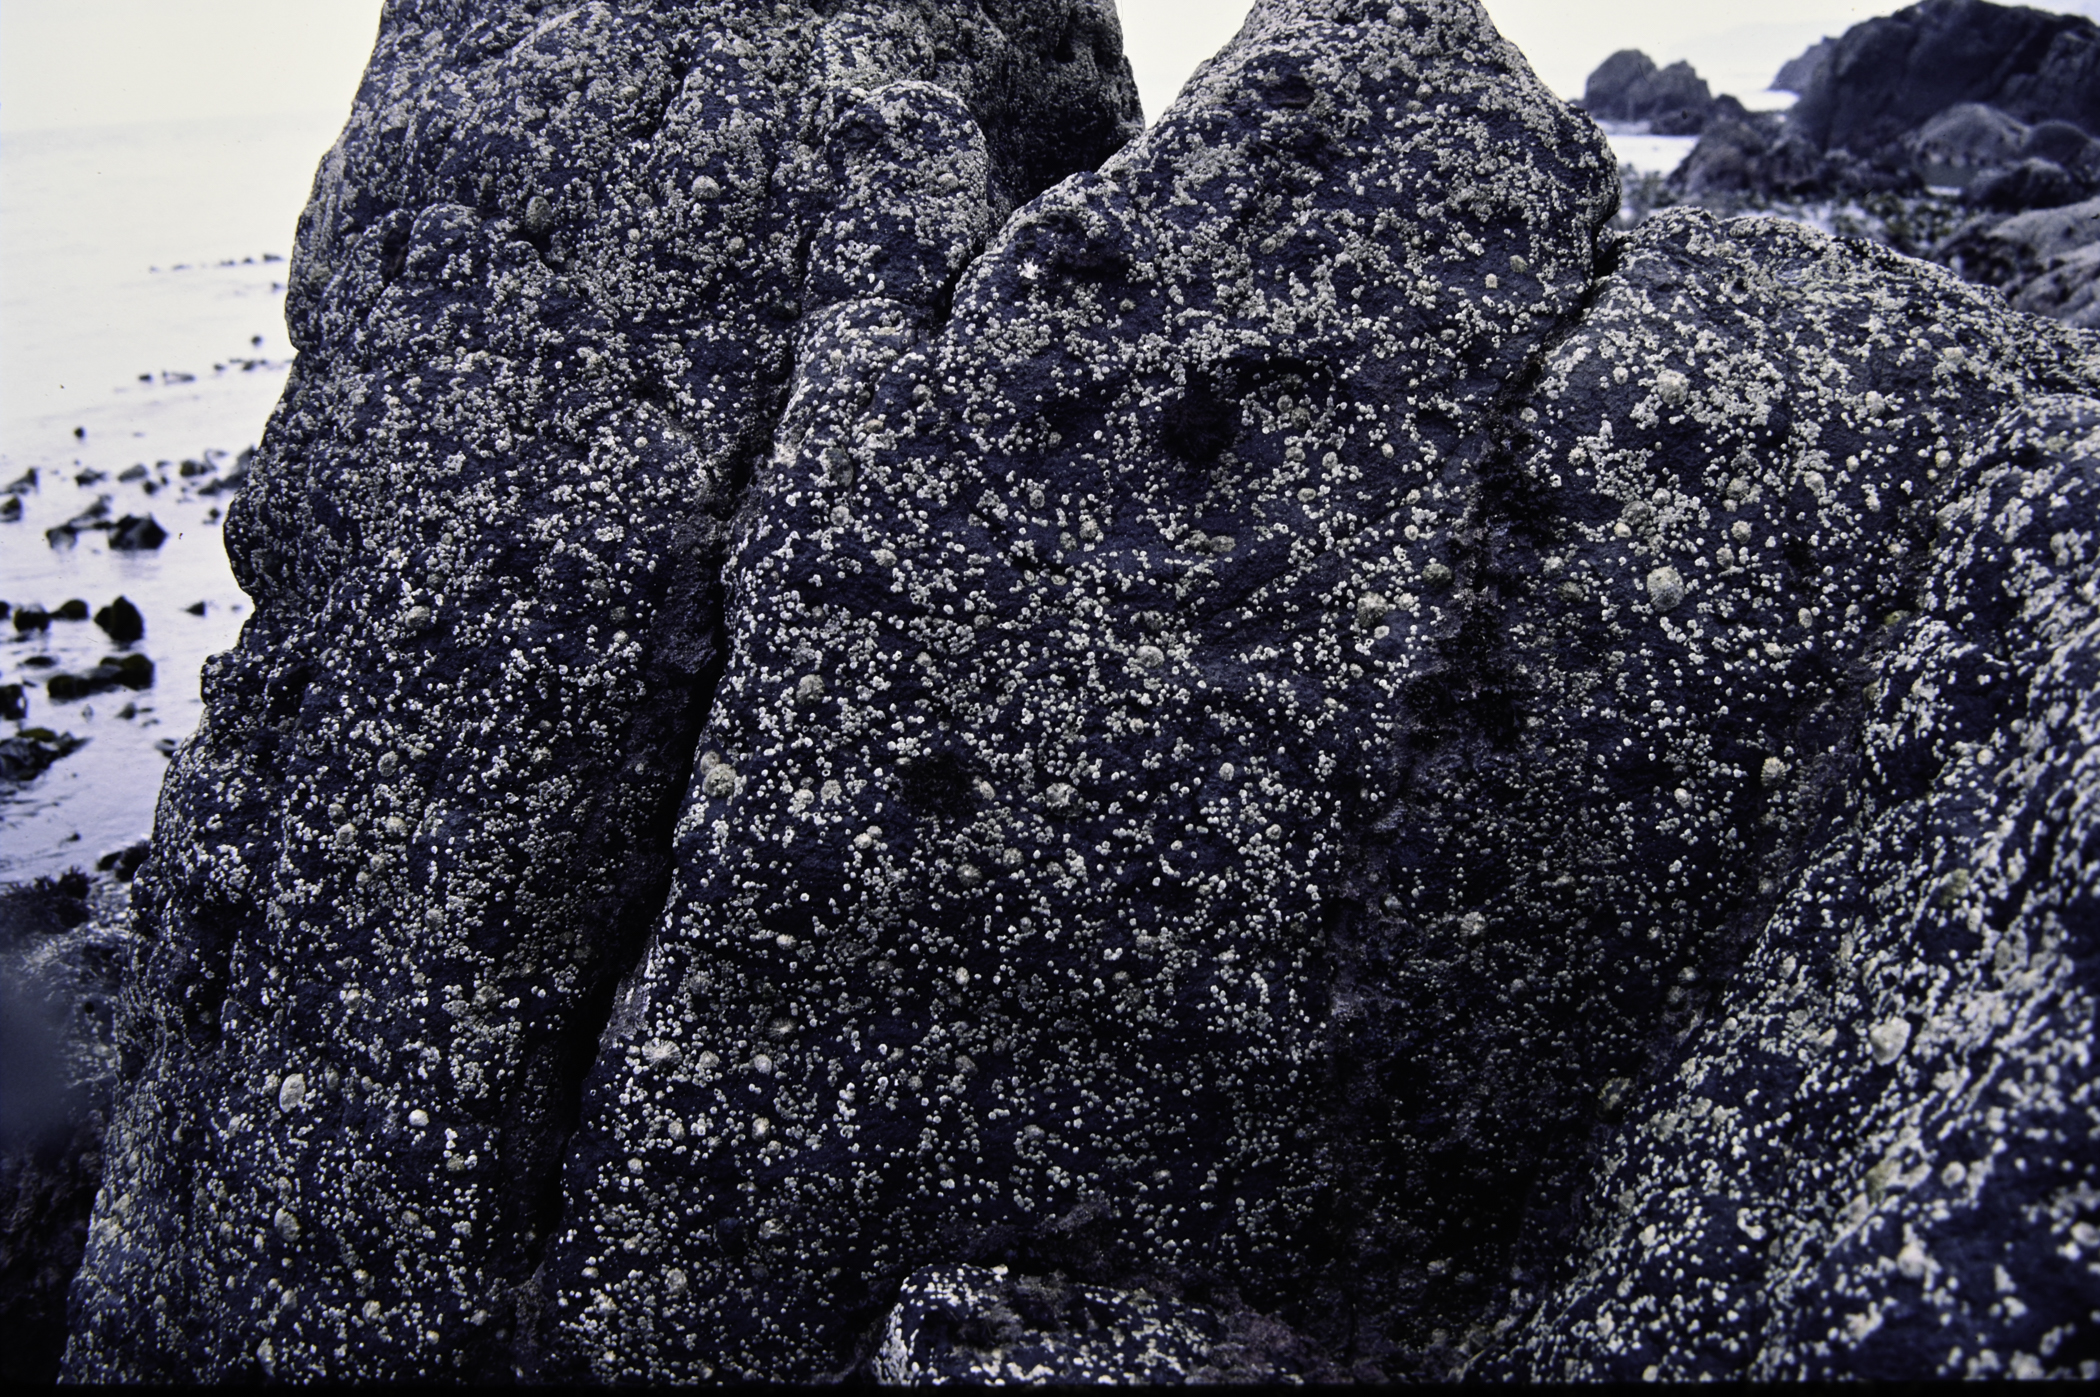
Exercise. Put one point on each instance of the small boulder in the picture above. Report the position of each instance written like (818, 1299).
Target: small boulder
(117, 671)
(122, 622)
(2031, 184)
(132, 534)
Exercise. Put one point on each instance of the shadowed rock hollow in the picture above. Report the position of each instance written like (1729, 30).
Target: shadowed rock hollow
(879, 734)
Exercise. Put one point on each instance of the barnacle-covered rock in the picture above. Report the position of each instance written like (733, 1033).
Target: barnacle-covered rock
(1877, 1156)
(1285, 758)
(1712, 518)
(545, 298)
(1013, 940)
(975, 1324)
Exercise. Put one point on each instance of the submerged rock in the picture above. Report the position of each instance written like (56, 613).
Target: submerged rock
(132, 534)
(121, 622)
(111, 672)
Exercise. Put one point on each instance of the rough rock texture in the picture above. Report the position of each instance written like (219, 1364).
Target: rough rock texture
(63, 950)
(1075, 639)
(545, 299)
(1885, 1160)
(1214, 778)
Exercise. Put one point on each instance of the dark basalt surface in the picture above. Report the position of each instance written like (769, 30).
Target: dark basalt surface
(1288, 759)
(1076, 640)
(1884, 1160)
(545, 299)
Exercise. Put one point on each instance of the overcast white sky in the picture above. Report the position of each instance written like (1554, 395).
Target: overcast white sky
(106, 62)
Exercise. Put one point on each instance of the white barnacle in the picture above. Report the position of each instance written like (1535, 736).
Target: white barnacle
(1665, 589)
(1672, 387)
(1888, 1039)
(291, 1093)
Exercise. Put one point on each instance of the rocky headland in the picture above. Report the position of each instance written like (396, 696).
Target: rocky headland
(893, 727)
(1957, 131)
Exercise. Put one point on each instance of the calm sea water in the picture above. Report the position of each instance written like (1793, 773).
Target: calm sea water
(141, 324)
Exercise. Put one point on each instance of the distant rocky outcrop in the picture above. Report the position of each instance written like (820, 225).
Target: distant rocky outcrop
(1798, 72)
(891, 729)
(1628, 87)
(1885, 78)
(1992, 107)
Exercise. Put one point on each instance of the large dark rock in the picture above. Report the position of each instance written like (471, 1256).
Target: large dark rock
(546, 298)
(1878, 1156)
(1886, 77)
(1292, 761)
